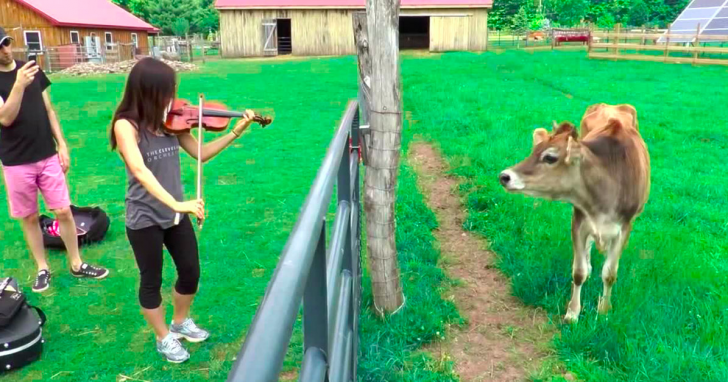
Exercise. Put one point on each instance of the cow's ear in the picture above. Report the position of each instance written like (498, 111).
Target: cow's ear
(573, 151)
(568, 128)
(540, 135)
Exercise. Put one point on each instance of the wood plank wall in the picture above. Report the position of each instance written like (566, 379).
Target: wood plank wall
(14, 15)
(313, 32)
(458, 33)
(329, 32)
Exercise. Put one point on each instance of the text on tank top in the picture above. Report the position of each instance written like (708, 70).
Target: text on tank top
(161, 157)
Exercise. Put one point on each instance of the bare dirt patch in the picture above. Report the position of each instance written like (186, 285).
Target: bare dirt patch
(504, 340)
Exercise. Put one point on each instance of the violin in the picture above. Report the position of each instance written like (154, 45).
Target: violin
(212, 116)
(184, 116)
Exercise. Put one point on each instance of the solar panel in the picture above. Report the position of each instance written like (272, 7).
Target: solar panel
(710, 15)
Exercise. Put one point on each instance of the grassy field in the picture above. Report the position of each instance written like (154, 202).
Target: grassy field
(670, 315)
(253, 192)
(670, 308)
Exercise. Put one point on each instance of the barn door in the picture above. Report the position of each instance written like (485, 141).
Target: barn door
(270, 37)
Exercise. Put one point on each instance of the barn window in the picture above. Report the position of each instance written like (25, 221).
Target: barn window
(75, 37)
(109, 40)
(33, 40)
(135, 40)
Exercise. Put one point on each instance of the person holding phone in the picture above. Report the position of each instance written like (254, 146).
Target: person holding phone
(34, 157)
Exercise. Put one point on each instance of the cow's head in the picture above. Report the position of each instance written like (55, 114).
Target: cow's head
(552, 169)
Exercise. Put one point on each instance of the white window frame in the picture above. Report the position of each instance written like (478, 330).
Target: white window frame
(135, 40)
(107, 44)
(40, 38)
(79, 37)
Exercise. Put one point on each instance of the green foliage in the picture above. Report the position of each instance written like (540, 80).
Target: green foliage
(639, 13)
(521, 23)
(136, 7)
(201, 15)
(181, 27)
(603, 13)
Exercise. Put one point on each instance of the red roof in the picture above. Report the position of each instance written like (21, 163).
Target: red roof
(87, 13)
(221, 4)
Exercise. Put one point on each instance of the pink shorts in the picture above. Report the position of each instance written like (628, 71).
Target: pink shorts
(24, 181)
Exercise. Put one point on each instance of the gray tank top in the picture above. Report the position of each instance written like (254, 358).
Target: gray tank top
(161, 156)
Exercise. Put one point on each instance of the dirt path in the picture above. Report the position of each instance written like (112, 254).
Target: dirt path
(504, 341)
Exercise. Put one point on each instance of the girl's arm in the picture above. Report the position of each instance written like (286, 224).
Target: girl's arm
(126, 136)
(189, 143)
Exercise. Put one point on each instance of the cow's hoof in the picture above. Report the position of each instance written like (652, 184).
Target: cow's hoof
(604, 306)
(571, 317)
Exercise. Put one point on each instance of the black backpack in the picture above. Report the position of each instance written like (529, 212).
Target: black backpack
(92, 223)
(21, 333)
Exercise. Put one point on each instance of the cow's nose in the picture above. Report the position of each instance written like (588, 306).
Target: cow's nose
(504, 178)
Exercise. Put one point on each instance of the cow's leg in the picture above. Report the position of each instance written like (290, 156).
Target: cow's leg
(581, 266)
(611, 265)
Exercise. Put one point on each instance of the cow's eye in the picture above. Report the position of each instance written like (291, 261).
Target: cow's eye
(550, 159)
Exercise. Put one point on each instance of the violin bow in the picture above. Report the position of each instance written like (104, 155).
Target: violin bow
(199, 158)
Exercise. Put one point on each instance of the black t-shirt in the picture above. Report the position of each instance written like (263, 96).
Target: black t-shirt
(29, 138)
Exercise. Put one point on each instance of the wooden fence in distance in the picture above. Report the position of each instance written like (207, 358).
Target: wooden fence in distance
(692, 48)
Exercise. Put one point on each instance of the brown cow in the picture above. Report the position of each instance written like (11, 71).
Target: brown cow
(604, 175)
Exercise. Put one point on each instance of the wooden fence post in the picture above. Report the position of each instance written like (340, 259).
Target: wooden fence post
(618, 27)
(667, 41)
(696, 45)
(385, 121)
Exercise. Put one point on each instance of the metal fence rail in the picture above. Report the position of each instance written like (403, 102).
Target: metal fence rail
(329, 284)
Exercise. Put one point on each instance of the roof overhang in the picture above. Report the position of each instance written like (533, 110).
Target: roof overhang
(57, 23)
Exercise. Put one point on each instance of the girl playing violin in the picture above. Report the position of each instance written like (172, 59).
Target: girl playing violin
(156, 214)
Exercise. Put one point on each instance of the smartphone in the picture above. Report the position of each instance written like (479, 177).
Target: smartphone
(33, 57)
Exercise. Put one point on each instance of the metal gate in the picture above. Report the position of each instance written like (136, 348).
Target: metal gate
(270, 37)
(326, 280)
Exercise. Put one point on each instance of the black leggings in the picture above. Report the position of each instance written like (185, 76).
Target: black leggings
(181, 243)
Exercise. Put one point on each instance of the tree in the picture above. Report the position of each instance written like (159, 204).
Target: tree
(181, 27)
(137, 7)
(208, 18)
(164, 13)
(377, 39)
(639, 14)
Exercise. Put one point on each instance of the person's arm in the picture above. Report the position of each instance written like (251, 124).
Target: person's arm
(210, 150)
(9, 108)
(63, 156)
(126, 137)
(53, 117)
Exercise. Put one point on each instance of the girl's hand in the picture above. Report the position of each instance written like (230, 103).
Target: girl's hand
(196, 207)
(244, 122)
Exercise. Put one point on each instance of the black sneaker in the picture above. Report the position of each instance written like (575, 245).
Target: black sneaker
(91, 271)
(42, 281)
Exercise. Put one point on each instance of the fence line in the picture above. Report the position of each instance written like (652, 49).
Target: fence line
(660, 47)
(328, 285)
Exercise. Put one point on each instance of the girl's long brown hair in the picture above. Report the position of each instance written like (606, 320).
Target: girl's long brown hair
(149, 90)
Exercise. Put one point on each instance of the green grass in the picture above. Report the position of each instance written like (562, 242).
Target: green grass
(670, 316)
(670, 306)
(254, 191)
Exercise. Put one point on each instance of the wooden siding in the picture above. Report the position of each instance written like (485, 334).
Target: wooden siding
(313, 32)
(454, 32)
(14, 15)
(327, 32)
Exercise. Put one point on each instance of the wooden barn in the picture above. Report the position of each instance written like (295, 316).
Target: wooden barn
(89, 28)
(251, 28)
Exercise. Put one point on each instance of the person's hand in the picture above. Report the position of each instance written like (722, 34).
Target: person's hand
(26, 74)
(196, 207)
(64, 158)
(244, 122)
